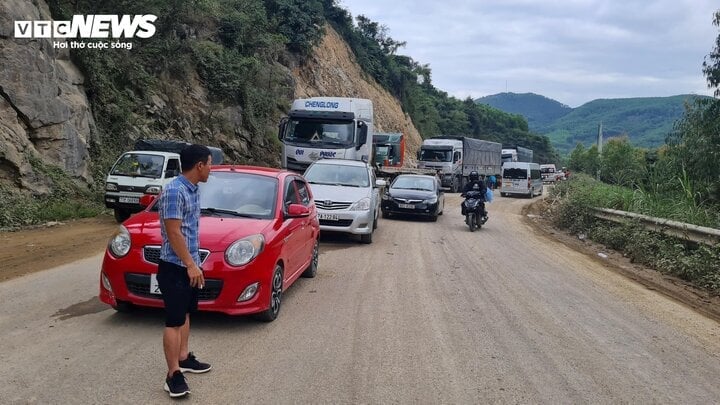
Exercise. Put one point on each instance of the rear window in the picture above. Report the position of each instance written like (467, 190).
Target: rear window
(514, 173)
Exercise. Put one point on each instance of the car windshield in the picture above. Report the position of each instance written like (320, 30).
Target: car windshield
(321, 133)
(547, 170)
(413, 183)
(238, 194)
(435, 155)
(515, 173)
(338, 175)
(139, 165)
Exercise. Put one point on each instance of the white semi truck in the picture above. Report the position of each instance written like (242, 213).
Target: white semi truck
(454, 157)
(516, 154)
(326, 128)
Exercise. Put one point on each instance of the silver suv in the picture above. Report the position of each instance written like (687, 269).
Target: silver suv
(346, 195)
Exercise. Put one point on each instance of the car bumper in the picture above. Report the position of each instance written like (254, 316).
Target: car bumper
(354, 222)
(129, 279)
(422, 209)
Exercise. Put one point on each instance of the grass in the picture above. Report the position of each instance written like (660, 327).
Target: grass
(571, 206)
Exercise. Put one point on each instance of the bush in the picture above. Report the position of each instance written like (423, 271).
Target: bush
(570, 208)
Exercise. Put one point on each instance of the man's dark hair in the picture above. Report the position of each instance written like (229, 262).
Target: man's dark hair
(192, 155)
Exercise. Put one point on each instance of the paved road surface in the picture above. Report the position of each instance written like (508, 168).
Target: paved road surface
(429, 313)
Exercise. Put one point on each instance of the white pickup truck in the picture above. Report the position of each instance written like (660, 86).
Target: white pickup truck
(550, 174)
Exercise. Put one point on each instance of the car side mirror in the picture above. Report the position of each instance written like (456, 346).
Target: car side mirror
(147, 199)
(380, 183)
(297, 211)
(169, 173)
(362, 138)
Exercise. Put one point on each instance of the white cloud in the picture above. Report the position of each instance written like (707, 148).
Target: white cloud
(572, 51)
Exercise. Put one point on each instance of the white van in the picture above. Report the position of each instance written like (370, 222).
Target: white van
(145, 170)
(522, 178)
(137, 173)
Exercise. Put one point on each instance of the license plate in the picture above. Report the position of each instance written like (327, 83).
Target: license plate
(154, 287)
(129, 200)
(408, 206)
(328, 217)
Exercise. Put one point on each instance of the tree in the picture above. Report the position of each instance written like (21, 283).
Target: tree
(577, 158)
(621, 163)
(711, 65)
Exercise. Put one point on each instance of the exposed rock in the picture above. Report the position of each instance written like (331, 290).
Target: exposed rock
(44, 112)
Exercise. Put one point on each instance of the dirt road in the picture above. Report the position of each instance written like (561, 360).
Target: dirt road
(429, 313)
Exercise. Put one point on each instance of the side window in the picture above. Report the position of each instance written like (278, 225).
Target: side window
(456, 157)
(535, 174)
(291, 195)
(302, 192)
(173, 168)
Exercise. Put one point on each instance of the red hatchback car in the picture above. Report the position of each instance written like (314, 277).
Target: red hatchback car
(258, 234)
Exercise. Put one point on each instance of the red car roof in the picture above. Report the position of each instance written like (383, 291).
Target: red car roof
(264, 171)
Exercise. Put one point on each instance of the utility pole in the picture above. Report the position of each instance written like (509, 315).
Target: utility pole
(599, 148)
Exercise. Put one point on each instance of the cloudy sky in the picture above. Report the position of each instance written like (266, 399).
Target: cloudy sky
(573, 51)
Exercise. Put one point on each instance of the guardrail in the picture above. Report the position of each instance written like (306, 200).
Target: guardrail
(695, 233)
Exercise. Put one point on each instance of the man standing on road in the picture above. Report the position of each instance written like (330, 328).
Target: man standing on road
(179, 274)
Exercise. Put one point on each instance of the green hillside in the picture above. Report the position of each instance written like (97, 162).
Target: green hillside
(538, 110)
(645, 120)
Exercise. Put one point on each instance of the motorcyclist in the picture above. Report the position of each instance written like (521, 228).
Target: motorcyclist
(475, 184)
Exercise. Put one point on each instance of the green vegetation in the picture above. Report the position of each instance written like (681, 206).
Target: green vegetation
(539, 111)
(645, 121)
(571, 208)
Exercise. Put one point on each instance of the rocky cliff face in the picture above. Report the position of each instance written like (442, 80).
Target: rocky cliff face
(333, 71)
(44, 113)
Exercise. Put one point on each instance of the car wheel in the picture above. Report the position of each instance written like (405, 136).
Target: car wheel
(276, 284)
(311, 270)
(367, 238)
(123, 306)
(121, 215)
(433, 218)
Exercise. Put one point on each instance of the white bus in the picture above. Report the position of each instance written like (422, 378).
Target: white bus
(522, 178)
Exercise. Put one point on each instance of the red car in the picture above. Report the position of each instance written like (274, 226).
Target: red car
(258, 234)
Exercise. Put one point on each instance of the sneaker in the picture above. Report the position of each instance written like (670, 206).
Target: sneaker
(192, 365)
(176, 385)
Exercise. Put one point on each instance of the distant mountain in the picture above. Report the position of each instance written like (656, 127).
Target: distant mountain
(646, 120)
(539, 111)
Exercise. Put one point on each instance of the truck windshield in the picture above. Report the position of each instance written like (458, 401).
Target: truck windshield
(434, 155)
(516, 174)
(139, 165)
(324, 134)
(547, 170)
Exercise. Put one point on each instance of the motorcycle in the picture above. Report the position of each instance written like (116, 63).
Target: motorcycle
(474, 210)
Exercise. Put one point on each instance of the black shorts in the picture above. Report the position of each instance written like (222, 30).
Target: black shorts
(179, 298)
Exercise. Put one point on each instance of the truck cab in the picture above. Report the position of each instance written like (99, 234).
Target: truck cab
(445, 156)
(326, 128)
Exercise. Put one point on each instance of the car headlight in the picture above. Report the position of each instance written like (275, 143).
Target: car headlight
(153, 190)
(431, 200)
(119, 244)
(361, 205)
(242, 251)
(110, 186)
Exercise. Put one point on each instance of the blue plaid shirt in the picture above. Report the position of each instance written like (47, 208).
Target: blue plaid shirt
(180, 200)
